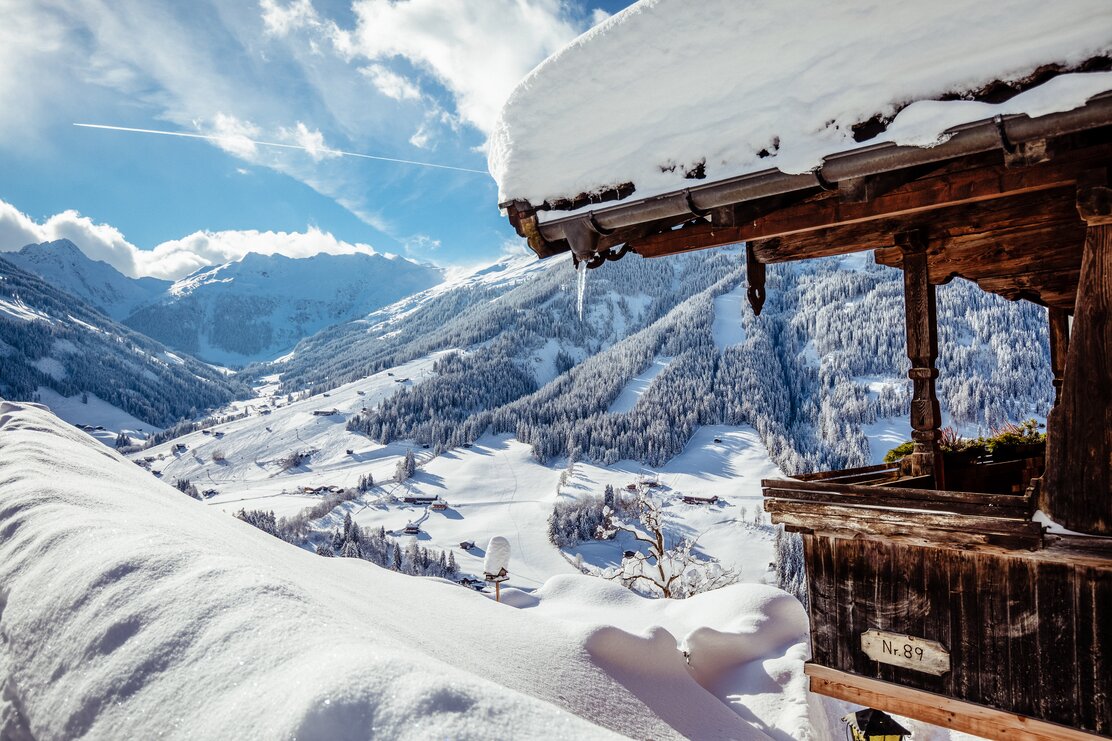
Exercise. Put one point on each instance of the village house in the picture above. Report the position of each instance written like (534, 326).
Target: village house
(948, 141)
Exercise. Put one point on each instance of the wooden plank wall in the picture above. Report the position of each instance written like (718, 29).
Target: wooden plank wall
(1026, 635)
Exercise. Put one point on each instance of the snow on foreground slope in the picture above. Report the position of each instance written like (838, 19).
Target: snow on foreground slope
(128, 610)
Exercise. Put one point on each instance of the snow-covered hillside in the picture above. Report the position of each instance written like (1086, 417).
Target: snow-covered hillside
(665, 347)
(499, 389)
(493, 487)
(52, 341)
(65, 267)
(228, 631)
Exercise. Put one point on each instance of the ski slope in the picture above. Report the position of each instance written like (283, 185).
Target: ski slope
(637, 386)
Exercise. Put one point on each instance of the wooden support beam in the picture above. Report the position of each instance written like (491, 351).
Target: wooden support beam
(1059, 344)
(936, 709)
(983, 182)
(921, 318)
(755, 278)
(1077, 489)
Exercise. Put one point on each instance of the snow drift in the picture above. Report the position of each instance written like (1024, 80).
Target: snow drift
(130, 610)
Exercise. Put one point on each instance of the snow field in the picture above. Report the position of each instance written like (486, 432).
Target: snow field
(730, 469)
(251, 474)
(96, 413)
(129, 610)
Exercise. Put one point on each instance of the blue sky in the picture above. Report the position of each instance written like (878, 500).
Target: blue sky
(411, 79)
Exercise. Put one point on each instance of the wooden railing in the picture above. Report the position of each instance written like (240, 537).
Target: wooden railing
(875, 502)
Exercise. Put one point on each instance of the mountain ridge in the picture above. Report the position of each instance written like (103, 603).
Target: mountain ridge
(239, 312)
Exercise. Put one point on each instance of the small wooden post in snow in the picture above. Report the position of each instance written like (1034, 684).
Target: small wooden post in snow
(495, 563)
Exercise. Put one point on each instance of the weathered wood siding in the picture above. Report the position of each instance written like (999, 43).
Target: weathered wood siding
(1026, 634)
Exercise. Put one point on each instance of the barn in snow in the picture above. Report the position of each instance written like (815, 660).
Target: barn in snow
(951, 140)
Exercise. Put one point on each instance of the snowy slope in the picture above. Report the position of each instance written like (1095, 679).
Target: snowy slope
(106, 420)
(249, 473)
(130, 610)
(63, 265)
(494, 487)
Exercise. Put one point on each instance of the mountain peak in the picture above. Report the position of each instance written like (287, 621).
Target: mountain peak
(56, 248)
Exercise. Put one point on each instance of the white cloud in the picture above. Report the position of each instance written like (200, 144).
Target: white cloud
(280, 20)
(174, 258)
(390, 83)
(311, 139)
(421, 137)
(477, 50)
(236, 135)
(98, 241)
(178, 257)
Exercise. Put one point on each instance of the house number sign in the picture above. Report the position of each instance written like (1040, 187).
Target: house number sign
(909, 652)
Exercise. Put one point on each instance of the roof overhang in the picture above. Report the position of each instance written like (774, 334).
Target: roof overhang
(722, 209)
(997, 201)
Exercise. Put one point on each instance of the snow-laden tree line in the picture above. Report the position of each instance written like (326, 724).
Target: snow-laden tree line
(826, 357)
(240, 324)
(72, 348)
(349, 540)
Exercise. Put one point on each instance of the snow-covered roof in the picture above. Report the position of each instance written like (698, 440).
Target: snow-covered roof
(667, 89)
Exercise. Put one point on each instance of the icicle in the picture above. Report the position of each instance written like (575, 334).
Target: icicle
(582, 287)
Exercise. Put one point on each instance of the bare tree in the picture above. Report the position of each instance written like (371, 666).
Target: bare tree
(673, 570)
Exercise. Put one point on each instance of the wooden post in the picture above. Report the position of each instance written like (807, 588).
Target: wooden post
(755, 277)
(1059, 344)
(921, 318)
(1078, 480)
(497, 591)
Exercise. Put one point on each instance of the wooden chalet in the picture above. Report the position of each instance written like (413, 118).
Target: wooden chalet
(692, 499)
(936, 593)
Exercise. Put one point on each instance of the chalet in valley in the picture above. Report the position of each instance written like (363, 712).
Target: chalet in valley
(950, 142)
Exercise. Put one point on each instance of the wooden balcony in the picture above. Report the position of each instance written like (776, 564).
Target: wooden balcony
(1017, 616)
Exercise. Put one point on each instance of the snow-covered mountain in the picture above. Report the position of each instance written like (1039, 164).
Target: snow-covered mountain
(63, 265)
(252, 309)
(56, 348)
(260, 306)
(513, 405)
(667, 346)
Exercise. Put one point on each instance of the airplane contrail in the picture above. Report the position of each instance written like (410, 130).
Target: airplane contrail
(329, 150)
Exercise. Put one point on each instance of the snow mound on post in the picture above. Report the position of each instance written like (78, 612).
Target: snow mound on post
(128, 610)
(737, 87)
(497, 555)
